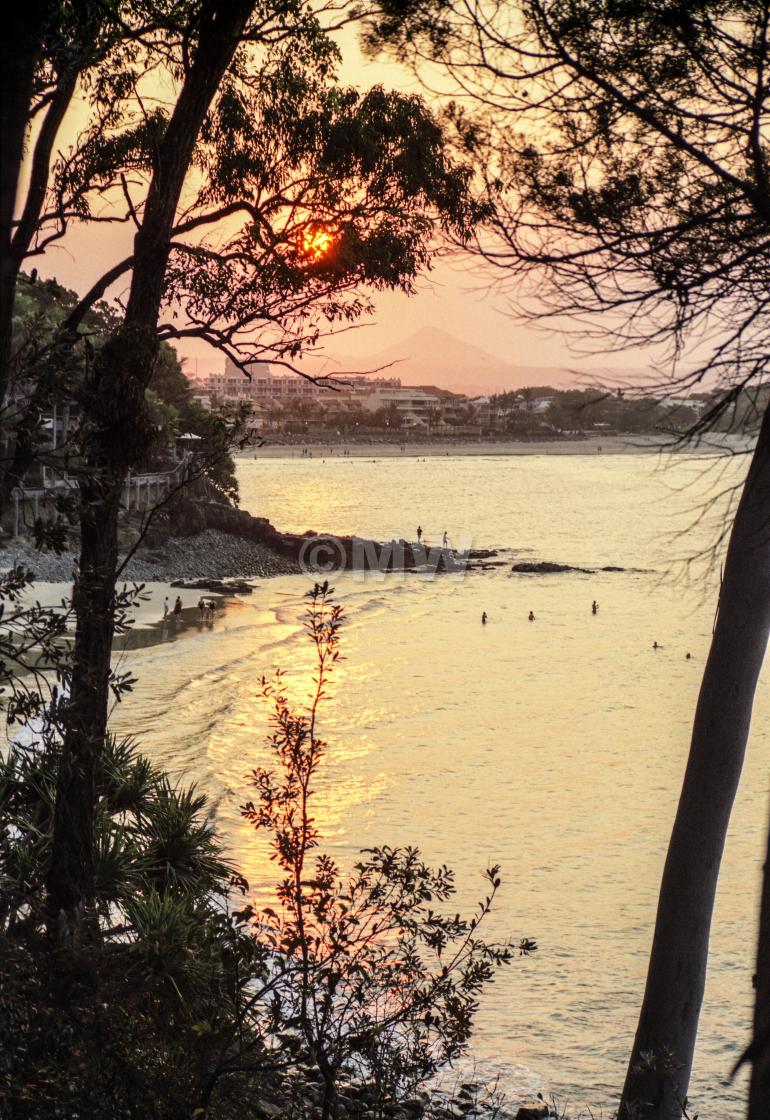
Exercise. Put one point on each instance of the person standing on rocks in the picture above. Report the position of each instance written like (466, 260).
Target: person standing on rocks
(166, 607)
(419, 534)
(178, 606)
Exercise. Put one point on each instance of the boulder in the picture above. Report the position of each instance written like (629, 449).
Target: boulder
(536, 1111)
(220, 586)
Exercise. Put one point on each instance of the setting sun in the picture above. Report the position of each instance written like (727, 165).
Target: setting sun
(316, 242)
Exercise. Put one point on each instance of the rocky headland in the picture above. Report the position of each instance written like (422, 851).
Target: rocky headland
(211, 541)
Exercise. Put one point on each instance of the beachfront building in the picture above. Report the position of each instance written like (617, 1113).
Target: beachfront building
(350, 402)
(264, 384)
(416, 406)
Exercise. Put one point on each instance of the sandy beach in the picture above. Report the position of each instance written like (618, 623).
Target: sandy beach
(609, 445)
(151, 626)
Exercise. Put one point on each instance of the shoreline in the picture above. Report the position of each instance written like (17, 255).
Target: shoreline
(441, 447)
(231, 543)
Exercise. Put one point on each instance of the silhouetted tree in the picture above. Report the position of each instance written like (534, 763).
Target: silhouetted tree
(625, 150)
(376, 981)
(119, 434)
(265, 200)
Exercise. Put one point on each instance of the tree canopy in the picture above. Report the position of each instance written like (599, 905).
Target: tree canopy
(624, 151)
(624, 147)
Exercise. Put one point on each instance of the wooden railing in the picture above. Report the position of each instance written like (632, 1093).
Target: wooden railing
(141, 492)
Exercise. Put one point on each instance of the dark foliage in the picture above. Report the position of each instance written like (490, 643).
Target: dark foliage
(172, 996)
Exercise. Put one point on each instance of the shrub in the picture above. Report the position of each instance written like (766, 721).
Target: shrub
(377, 984)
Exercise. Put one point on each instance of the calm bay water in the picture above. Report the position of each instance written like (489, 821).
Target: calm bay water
(555, 747)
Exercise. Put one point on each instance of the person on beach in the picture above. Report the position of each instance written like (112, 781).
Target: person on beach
(531, 616)
(201, 606)
(419, 534)
(166, 607)
(594, 607)
(484, 618)
(178, 606)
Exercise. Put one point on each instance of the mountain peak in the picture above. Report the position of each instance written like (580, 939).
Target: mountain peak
(432, 356)
(431, 345)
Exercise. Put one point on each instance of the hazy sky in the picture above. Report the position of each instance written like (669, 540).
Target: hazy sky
(455, 297)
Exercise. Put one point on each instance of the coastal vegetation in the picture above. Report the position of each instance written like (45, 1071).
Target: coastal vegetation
(52, 383)
(265, 200)
(371, 168)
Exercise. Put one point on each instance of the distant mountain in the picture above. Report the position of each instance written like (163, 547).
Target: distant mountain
(434, 357)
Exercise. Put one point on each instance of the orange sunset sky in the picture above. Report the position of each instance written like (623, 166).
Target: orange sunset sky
(457, 296)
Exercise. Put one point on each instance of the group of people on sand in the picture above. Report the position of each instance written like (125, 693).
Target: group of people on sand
(175, 611)
(205, 607)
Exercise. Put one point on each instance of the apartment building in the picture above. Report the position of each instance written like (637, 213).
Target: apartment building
(264, 384)
(417, 405)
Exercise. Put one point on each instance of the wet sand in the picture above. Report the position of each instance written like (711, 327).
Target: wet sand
(150, 628)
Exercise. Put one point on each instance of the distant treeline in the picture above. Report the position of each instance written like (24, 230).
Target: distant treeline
(542, 409)
(535, 411)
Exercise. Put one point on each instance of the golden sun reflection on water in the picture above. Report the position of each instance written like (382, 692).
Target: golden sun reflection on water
(555, 748)
(335, 792)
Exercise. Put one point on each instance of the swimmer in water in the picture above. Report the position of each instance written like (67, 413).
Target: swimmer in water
(655, 645)
(531, 616)
(484, 618)
(688, 657)
(594, 607)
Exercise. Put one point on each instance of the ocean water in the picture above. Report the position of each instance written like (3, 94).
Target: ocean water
(554, 748)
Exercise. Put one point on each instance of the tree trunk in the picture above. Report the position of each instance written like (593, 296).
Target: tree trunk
(759, 1052)
(19, 54)
(661, 1061)
(71, 874)
(117, 433)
